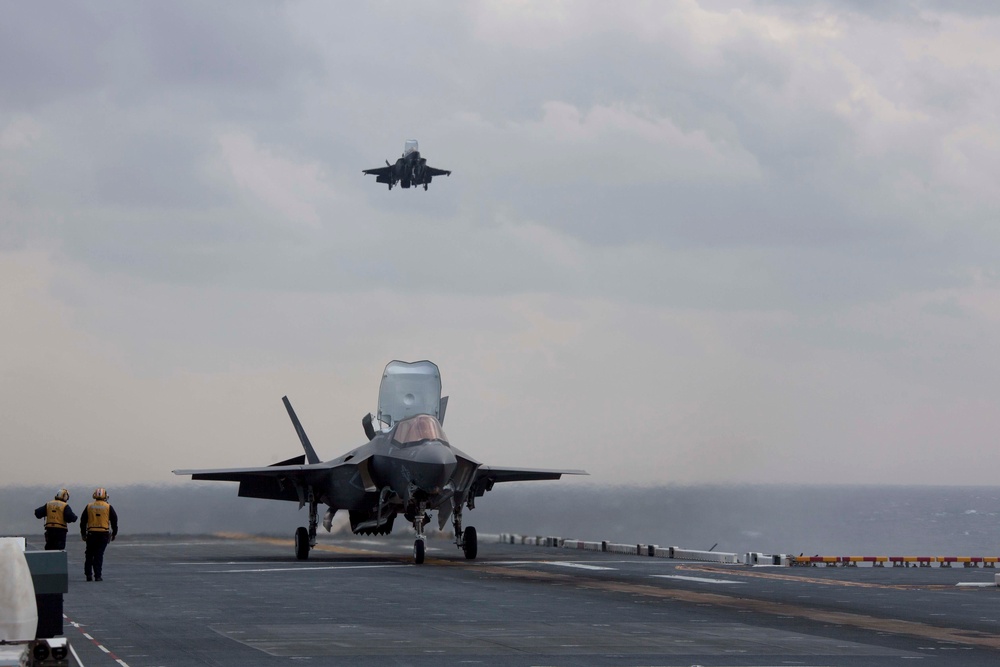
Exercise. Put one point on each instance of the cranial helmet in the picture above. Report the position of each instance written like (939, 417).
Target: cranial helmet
(100, 494)
(62, 495)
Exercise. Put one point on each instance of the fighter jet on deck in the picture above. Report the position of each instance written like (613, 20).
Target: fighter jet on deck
(408, 466)
(411, 169)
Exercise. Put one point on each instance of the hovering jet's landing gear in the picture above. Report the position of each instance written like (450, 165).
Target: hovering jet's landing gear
(420, 519)
(466, 540)
(305, 539)
(425, 187)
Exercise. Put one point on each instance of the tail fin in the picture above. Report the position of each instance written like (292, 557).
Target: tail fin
(303, 438)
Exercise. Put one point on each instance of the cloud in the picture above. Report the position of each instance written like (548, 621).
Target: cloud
(721, 239)
(288, 187)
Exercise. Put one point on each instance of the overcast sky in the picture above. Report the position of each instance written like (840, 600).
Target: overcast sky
(682, 242)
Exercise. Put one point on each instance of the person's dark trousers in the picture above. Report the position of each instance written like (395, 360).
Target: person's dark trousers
(55, 539)
(94, 559)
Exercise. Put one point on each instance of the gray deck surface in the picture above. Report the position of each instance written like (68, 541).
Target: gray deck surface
(240, 600)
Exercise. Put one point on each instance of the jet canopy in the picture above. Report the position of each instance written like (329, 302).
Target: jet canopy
(417, 429)
(410, 147)
(409, 389)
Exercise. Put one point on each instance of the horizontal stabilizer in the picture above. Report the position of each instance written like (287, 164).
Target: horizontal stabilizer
(294, 461)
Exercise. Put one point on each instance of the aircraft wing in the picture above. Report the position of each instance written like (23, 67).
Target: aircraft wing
(436, 172)
(240, 474)
(288, 480)
(487, 476)
(378, 171)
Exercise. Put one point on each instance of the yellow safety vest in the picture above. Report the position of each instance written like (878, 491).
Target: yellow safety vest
(54, 514)
(99, 517)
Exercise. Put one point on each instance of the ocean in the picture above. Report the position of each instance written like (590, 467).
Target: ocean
(823, 520)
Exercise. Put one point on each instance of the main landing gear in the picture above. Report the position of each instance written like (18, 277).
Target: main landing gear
(466, 540)
(305, 539)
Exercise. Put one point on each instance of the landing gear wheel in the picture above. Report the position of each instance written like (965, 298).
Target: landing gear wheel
(302, 543)
(470, 543)
(418, 552)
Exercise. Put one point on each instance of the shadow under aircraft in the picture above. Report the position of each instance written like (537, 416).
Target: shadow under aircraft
(409, 170)
(407, 467)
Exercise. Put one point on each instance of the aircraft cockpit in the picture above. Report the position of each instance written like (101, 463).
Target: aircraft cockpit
(417, 429)
(410, 147)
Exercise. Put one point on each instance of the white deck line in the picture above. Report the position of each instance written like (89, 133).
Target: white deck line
(701, 580)
(581, 566)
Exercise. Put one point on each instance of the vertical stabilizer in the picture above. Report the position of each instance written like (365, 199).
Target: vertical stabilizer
(303, 438)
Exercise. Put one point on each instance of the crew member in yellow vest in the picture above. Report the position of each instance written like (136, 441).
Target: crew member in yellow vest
(57, 513)
(98, 526)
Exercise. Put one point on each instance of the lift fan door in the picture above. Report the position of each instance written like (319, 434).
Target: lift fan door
(409, 389)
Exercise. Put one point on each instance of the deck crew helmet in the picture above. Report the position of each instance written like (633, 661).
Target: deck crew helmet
(63, 495)
(100, 494)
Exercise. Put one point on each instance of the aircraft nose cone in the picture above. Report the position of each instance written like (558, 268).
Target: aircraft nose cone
(431, 465)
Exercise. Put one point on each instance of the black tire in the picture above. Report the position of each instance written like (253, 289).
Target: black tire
(302, 543)
(418, 552)
(470, 543)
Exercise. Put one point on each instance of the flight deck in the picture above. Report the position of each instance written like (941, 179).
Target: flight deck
(244, 600)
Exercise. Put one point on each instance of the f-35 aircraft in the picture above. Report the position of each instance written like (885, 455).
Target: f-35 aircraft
(407, 467)
(409, 170)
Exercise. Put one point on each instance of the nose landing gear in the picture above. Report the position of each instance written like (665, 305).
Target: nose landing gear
(420, 519)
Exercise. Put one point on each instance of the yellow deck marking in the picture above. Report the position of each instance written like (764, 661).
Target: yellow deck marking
(283, 542)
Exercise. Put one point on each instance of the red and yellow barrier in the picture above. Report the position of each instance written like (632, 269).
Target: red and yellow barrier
(896, 561)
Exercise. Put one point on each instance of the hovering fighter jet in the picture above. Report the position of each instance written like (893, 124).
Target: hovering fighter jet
(407, 467)
(411, 169)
